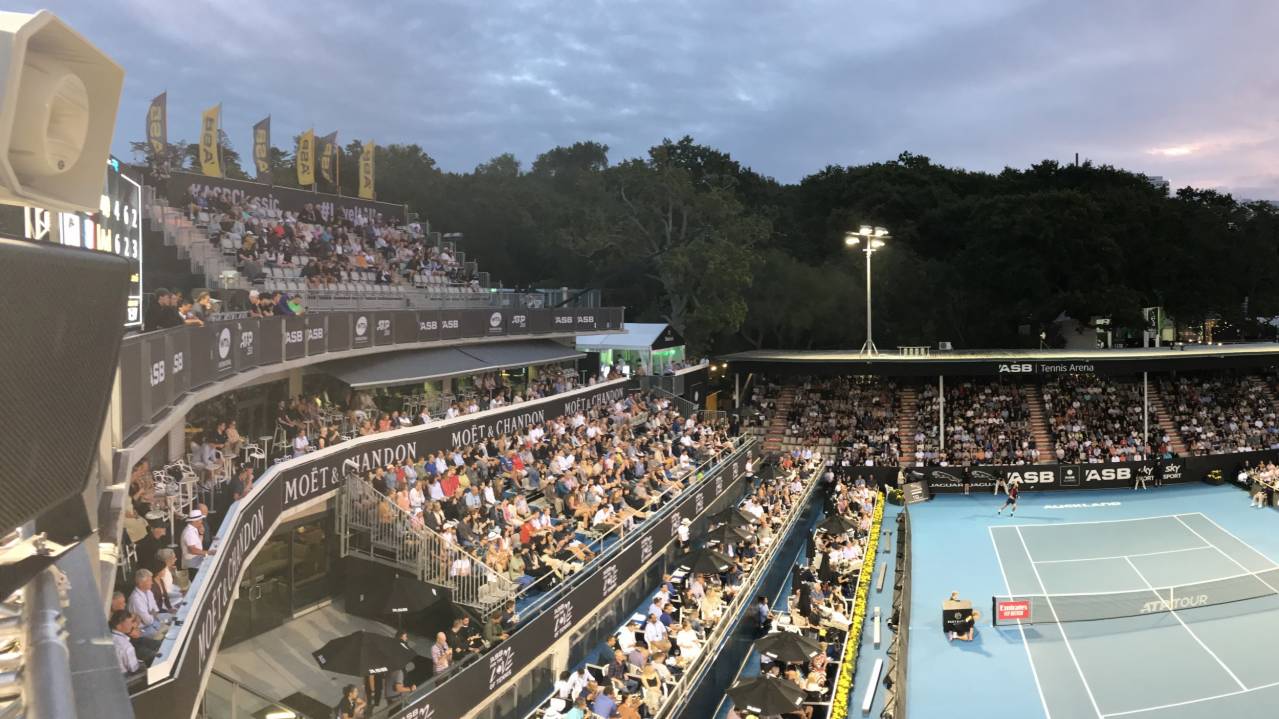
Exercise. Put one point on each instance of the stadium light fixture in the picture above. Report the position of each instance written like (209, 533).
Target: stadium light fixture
(874, 238)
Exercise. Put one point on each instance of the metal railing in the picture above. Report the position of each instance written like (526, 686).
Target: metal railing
(715, 640)
(372, 526)
(226, 698)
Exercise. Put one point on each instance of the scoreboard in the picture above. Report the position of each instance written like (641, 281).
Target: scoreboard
(116, 228)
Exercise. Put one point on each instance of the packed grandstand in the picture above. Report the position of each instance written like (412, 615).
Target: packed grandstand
(345, 468)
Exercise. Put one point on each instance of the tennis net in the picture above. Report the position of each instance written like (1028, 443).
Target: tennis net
(1044, 608)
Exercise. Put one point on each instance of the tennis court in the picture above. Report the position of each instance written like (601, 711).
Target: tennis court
(1169, 616)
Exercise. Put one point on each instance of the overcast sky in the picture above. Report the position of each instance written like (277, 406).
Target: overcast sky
(1187, 90)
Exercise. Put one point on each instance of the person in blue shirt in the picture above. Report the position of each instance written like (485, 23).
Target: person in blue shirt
(605, 705)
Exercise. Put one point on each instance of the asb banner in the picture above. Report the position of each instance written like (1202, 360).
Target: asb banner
(210, 153)
(158, 126)
(262, 150)
(1036, 477)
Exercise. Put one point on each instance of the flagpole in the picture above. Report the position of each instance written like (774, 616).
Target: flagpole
(337, 166)
(218, 139)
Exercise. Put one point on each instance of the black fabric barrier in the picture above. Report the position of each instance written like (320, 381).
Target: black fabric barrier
(461, 691)
(160, 367)
(181, 186)
(1111, 475)
(249, 522)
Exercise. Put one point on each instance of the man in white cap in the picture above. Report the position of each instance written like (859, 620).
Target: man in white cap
(682, 534)
(193, 551)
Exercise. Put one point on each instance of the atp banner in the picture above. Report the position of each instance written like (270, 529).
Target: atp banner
(158, 126)
(366, 170)
(304, 158)
(210, 153)
(184, 186)
(262, 149)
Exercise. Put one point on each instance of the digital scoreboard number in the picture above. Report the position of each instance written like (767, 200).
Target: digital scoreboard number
(116, 228)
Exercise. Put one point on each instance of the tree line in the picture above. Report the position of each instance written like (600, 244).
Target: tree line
(737, 260)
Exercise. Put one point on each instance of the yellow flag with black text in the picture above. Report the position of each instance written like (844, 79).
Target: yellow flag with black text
(366, 170)
(210, 156)
(305, 158)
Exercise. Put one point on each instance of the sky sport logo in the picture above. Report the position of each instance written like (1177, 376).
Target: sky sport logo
(1164, 605)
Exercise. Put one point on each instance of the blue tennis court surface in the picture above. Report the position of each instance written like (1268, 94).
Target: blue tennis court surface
(1124, 557)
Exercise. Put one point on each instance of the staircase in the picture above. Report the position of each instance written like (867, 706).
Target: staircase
(1266, 390)
(372, 527)
(776, 431)
(907, 423)
(1039, 428)
(1165, 421)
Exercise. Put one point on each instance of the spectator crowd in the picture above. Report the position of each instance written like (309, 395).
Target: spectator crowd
(986, 423)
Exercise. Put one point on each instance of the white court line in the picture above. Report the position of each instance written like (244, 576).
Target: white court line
(1020, 629)
(1122, 556)
(1133, 591)
(1271, 685)
(1060, 628)
(1190, 631)
(1230, 534)
(1097, 521)
(1227, 556)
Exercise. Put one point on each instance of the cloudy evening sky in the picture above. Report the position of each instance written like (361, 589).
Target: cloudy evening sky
(1188, 90)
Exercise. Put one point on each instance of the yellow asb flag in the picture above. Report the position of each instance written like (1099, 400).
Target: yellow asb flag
(305, 158)
(210, 157)
(366, 170)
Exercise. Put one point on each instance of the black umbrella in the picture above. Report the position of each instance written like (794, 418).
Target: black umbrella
(837, 524)
(409, 595)
(363, 653)
(733, 517)
(728, 534)
(707, 561)
(788, 647)
(763, 695)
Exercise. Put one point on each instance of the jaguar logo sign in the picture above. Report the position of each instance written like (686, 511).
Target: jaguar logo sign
(361, 325)
(495, 320)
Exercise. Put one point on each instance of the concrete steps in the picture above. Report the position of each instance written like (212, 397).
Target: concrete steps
(1164, 419)
(777, 425)
(1039, 426)
(907, 406)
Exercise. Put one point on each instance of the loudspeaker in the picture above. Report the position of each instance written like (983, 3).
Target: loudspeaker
(58, 100)
(62, 315)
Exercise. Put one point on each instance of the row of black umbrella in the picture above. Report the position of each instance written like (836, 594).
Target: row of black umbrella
(763, 695)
